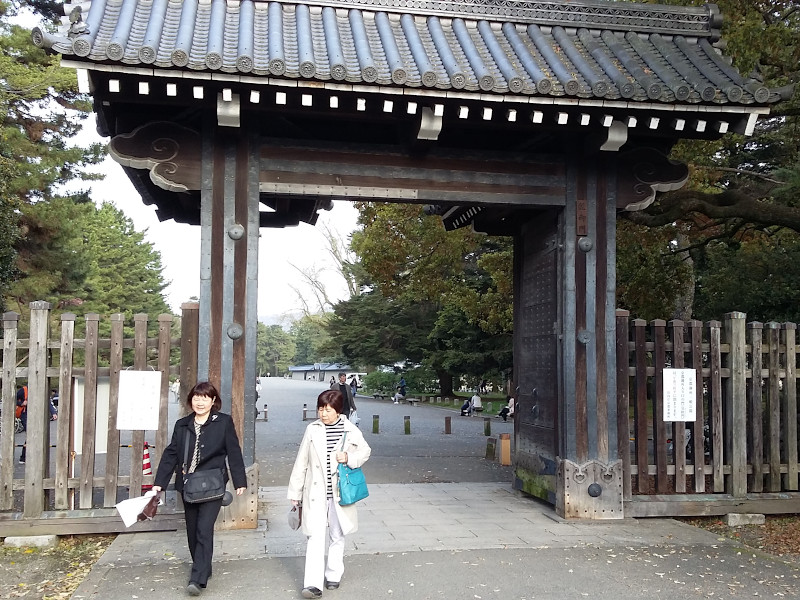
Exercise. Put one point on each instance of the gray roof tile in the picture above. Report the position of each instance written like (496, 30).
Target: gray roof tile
(586, 49)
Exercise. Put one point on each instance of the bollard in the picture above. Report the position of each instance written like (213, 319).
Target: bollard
(438, 399)
(488, 407)
(266, 416)
(505, 449)
(447, 424)
(407, 425)
(487, 426)
(376, 419)
(491, 448)
(305, 411)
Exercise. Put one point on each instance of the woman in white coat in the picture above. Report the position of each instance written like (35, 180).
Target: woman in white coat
(315, 483)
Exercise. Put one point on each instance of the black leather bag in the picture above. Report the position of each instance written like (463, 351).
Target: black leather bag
(203, 486)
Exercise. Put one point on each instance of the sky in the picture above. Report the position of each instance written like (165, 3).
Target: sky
(303, 246)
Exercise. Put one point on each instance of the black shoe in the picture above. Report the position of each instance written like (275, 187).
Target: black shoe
(332, 585)
(311, 592)
(193, 589)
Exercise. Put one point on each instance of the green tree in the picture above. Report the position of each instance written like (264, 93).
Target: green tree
(371, 329)
(275, 349)
(311, 337)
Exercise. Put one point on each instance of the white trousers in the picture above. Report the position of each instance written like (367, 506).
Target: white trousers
(317, 571)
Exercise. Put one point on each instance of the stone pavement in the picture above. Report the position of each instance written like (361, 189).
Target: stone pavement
(452, 540)
(440, 522)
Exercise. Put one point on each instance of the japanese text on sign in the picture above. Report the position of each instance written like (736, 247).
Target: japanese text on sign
(680, 394)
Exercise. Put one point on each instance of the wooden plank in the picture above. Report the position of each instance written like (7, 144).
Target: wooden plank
(640, 406)
(735, 403)
(76, 523)
(755, 434)
(623, 400)
(162, 435)
(678, 427)
(89, 412)
(774, 407)
(37, 433)
(715, 418)
(112, 433)
(698, 505)
(190, 331)
(10, 325)
(64, 496)
(698, 428)
(790, 412)
(137, 437)
(660, 433)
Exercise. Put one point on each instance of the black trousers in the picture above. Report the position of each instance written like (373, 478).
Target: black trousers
(200, 519)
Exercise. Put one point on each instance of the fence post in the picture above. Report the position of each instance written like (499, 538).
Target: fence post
(65, 463)
(407, 425)
(38, 412)
(447, 425)
(623, 400)
(376, 423)
(10, 325)
(755, 414)
(190, 334)
(790, 399)
(305, 411)
(487, 426)
(735, 403)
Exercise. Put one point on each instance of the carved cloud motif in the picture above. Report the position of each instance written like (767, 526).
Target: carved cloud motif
(170, 152)
(644, 172)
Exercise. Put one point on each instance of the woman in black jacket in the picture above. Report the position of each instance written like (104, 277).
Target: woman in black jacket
(211, 439)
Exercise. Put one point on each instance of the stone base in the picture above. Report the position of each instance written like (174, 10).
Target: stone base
(738, 519)
(591, 491)
(31, 541)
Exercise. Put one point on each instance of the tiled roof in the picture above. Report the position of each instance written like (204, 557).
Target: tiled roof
(560, 49)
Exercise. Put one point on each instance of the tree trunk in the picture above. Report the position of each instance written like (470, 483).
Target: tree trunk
(445, 383)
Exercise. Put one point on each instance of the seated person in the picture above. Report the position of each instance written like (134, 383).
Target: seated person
(507, 410)
(466, 408)
(476, 403)
(400, 395)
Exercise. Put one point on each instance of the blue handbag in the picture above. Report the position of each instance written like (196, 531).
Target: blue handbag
(352, 483)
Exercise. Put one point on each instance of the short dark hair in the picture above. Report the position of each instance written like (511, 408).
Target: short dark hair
(332, 398)
(204, 388)
(340, 374)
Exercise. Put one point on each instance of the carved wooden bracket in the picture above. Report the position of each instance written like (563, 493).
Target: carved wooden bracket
(170, 152)
(644, 171)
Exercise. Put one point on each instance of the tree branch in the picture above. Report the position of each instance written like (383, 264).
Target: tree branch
(730, 204)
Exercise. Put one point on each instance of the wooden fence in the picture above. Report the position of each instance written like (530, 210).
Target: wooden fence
(75, 487)
(741, 452)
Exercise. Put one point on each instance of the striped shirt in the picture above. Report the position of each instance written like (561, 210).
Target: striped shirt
(333, 435)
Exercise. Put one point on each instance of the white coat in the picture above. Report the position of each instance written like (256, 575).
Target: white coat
(308, 481)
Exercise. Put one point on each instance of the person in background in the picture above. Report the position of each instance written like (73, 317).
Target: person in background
(354, 384)
(332, 381)
(507, 410)
(314, 482)
(477, 405)
(212, 440)
(466, 408)
(348, 403)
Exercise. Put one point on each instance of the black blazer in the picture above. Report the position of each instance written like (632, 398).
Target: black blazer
(218, 440)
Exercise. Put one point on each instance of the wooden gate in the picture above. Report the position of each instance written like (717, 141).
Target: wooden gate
(67, 489)
(741, 453)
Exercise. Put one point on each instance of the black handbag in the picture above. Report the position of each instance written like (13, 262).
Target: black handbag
(201, 486)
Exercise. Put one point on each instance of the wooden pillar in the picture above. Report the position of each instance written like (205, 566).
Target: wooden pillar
(590, 469)
(229, 273)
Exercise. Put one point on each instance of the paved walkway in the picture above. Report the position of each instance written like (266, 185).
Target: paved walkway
(440, 522)
(452, 540)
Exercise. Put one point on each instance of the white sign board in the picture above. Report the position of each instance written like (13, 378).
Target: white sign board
(680, 394)
(139, 395)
